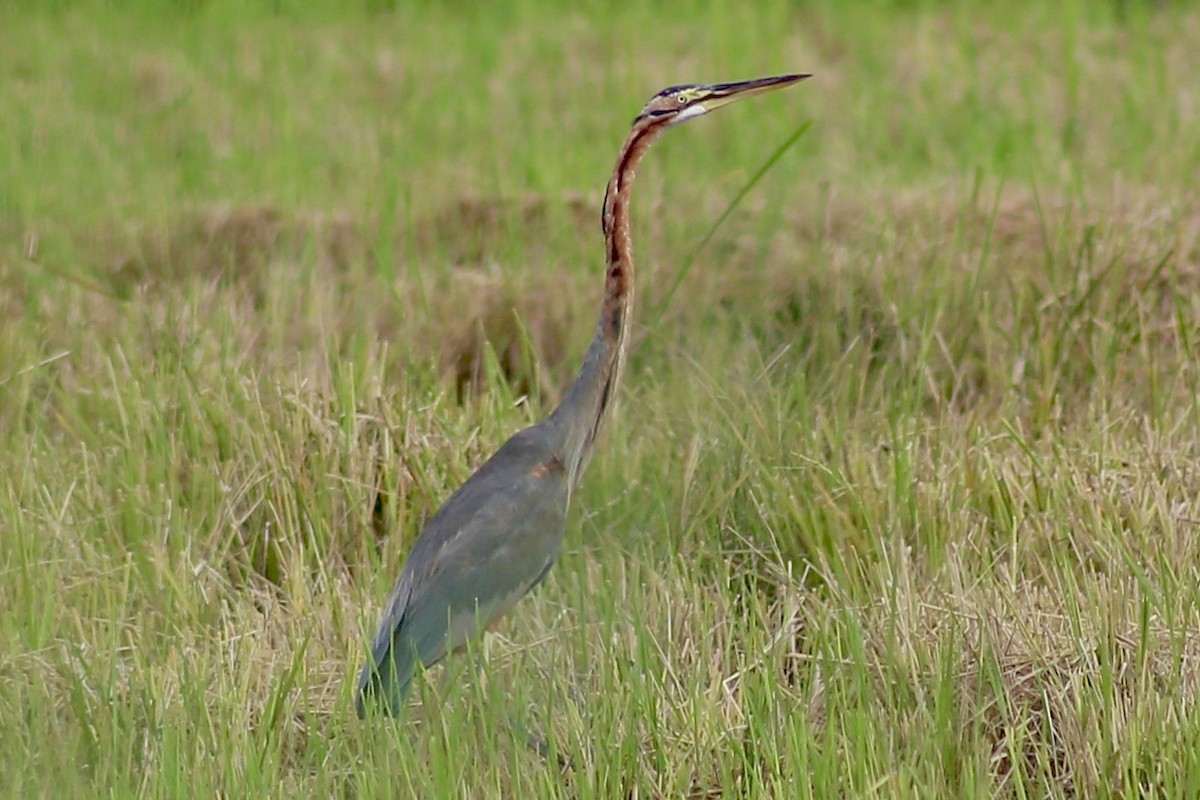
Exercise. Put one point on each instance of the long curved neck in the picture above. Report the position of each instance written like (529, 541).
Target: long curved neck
(578, 418)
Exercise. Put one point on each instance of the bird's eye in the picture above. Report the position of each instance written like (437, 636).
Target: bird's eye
(681, 99)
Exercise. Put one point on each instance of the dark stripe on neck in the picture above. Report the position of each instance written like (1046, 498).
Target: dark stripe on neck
(630, 155)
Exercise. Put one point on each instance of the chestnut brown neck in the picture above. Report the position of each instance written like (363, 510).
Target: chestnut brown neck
(579, 416)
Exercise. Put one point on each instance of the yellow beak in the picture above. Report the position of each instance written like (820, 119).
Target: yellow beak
(722, 94)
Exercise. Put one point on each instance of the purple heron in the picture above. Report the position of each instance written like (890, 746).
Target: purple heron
(497, 536)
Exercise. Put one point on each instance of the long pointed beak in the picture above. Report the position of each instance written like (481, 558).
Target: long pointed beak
(725, 93)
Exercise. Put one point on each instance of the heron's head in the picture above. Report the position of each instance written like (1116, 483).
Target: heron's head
(677, 104)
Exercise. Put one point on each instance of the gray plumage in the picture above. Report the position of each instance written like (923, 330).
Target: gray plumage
(461, 576)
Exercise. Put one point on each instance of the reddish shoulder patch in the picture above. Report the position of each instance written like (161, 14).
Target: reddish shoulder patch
(546, 468)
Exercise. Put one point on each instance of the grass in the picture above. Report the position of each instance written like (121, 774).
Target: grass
(901, 496)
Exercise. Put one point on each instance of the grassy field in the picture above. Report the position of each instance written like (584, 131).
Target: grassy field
(902, 497)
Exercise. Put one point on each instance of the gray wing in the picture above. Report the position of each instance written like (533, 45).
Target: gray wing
(485, 548)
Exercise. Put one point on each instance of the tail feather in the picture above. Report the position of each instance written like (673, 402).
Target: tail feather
(384, 683)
